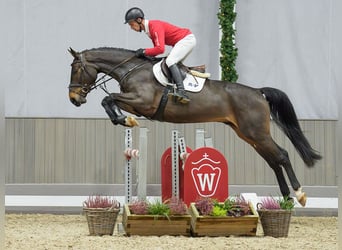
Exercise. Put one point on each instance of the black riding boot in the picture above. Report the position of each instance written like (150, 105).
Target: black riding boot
(177, 77)
(113, 111)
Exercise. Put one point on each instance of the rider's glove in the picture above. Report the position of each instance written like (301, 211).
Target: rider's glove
(140, 53)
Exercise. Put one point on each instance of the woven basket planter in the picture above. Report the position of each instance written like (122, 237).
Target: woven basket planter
(276, 222)
(101, 221)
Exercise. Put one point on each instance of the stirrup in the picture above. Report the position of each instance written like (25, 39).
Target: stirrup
(179, 96)
(183, 99)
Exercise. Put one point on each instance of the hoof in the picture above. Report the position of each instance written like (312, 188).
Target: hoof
(131, 122)
(302, 199)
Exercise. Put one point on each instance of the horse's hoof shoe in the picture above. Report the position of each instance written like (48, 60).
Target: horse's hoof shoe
(302, 199)
(131, 121)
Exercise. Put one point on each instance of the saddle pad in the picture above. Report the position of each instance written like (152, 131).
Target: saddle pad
(191, 83)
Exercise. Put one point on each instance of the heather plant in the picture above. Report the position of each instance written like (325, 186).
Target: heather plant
(204, 205)
(239, 207)
(271, 203)
(177, 206)
(232, 206)
(99, 201)
(173, 206)
(139, 207)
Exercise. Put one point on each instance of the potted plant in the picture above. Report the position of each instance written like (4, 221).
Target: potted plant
(275, 215)
(101, 213)
(142, 217)
(234, 216)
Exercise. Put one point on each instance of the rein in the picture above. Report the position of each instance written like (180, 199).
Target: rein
(108, 74)
(85, 89)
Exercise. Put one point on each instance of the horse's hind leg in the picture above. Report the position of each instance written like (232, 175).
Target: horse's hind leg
(301, 196)
(277, 158)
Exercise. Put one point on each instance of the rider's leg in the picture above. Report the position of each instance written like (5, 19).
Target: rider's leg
(178, 53)
(113, 111)
(177, 77)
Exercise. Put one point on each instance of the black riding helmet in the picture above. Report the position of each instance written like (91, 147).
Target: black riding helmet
(133, 14)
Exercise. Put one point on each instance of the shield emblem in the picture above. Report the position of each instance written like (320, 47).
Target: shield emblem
(205, 175)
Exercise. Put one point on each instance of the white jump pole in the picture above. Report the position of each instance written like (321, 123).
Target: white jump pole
(142, 163)
(208, 142)
(199, 140)
(141, 169)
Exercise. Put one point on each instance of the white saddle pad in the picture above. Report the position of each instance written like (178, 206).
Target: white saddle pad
(191, 83)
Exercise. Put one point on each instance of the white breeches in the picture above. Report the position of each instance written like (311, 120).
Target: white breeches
(181, 50)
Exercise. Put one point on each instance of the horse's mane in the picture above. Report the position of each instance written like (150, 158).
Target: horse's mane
(120, 50)
(109, 49)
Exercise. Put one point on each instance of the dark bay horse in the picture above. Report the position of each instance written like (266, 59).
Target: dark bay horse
(246, 110)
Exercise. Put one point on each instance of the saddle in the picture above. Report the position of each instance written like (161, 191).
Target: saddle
(193, 78)
(194, 70)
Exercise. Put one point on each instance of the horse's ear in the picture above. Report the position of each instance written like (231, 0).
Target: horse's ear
(73, 53)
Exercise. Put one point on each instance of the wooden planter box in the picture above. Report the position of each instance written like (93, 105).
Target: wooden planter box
(223, 225)
(155, 225)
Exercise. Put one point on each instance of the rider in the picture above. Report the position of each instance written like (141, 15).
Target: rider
(161, 34)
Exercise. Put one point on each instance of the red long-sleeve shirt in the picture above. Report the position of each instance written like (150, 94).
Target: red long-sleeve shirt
(163, 33)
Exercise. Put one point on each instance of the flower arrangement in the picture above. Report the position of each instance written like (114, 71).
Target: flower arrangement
(143, 217)
(275, 215)
(270, 203)
(232, 206)
(98, 201)
(172, 206)
(234, 216)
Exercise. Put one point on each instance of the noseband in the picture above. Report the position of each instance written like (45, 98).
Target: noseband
(85, 88)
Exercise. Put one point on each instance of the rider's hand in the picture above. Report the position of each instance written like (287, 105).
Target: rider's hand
(140, 53)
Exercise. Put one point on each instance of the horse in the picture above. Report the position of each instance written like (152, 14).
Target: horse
(248, 111)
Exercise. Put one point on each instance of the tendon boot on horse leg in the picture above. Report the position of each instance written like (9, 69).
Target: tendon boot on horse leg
(178, 80)
(113, 111)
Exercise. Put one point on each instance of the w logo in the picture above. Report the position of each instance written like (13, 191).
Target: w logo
(205, 175)
(206, 179)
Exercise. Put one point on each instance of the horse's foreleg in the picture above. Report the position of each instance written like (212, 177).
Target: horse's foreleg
(115, 114)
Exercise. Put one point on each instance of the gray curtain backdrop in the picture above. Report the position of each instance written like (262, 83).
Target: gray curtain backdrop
(286, 44)
(289, 44)
(39, 32)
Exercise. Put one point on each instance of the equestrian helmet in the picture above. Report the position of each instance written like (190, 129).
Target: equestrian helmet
(133, 14)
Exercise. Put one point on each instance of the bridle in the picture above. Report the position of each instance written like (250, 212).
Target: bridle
(101, 82)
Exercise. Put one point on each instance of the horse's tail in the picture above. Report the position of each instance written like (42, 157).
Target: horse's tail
(284, 115)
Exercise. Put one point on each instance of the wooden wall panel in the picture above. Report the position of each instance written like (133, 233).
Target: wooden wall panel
(91, 151)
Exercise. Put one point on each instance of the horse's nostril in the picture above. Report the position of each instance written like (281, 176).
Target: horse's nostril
(76, 103)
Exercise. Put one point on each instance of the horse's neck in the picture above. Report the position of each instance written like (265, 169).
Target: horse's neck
(110, 62)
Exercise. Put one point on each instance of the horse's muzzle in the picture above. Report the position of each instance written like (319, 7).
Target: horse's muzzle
(76, 99)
